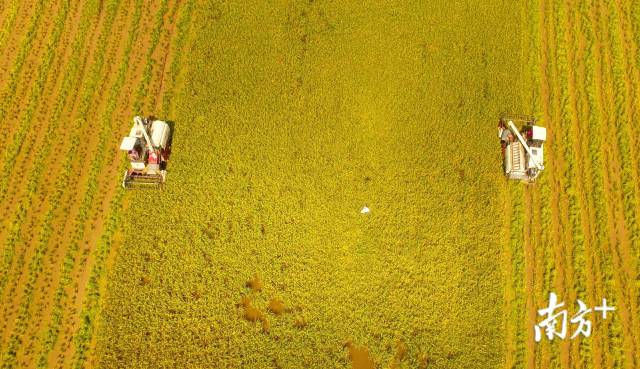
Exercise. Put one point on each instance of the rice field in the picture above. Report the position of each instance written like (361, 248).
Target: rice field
(289, 118)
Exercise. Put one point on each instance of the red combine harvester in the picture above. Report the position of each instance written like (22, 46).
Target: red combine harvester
(148, 147)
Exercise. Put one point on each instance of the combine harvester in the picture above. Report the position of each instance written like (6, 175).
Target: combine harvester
(148, 147)
(522, 150)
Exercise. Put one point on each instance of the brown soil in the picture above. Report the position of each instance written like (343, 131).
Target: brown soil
(276, 306)
(509, 293)
(15, 100)
(529, 280)
(252, 314)
(15, 32)
(359, 357)
(255, 284)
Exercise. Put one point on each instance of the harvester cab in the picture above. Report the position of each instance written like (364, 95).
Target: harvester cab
(148, 147)
(522, 148)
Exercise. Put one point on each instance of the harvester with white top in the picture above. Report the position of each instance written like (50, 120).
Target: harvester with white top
(522, 147)
(148, 147)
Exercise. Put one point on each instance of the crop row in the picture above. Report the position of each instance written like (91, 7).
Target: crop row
(609, 103)
(545, 248)
(51, 335)
(35, 267)
(515, 314)
(579, 98)
(9, 18)
(163, 53)
(35, 176)
(182, 30)
(13, 149)
(62, 187)
(598, 159)
(627, 174)
(26, 47)
(590, 350)
(11, 153)
(577, 258)
(59, 23)
(74, 68)
(545, 265)
(557, 272)
(541, 227)
(560, 104)
(631, 43)
(568, 132)
(143, 88)
(626, 70)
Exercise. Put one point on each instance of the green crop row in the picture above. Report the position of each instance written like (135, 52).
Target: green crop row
(91, 10)
(26, 122)
(70, 156)
(84, 333)
(35, 267)
(95, 75)
(10, 19)
(143, 88)
(182, 31)
(45, 148)
(26, 46)
(20, 215)
(12, 151)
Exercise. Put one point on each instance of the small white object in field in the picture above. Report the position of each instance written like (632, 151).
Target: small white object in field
(365, 210)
